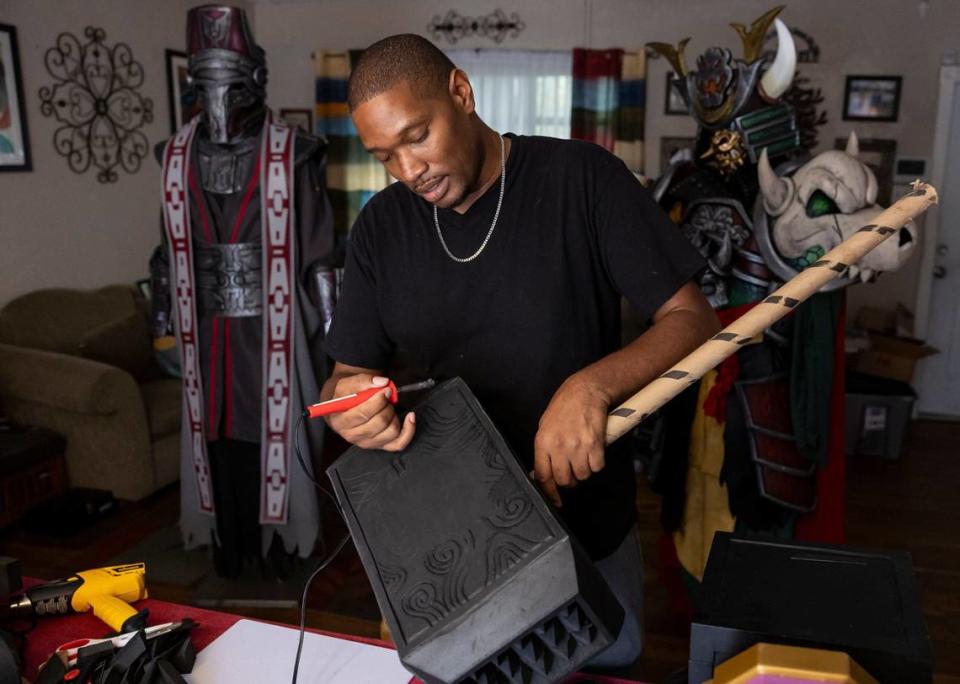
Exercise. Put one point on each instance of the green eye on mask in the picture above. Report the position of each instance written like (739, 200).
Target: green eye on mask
(819, 205)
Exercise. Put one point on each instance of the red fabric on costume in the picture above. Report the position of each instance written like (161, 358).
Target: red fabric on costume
(212, 410)
(201, 202)
(826, 523)
(228, 377)
(247, 195)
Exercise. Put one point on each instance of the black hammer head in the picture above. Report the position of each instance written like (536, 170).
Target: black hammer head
(474, 573)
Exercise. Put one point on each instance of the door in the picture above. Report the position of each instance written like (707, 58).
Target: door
(939, 375)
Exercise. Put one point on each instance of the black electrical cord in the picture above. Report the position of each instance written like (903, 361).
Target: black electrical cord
(326, 561)
(309, 471)
(303, 602)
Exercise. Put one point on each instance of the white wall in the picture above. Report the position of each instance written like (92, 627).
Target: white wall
(885, 37)
(58, 228)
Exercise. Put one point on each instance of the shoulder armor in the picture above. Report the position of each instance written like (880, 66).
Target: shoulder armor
(307, 146)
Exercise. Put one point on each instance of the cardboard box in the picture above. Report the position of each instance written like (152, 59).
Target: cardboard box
(892, 357)
(897, 322)
(876, 320)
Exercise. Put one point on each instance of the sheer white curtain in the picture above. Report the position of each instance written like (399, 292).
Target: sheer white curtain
(524, 92)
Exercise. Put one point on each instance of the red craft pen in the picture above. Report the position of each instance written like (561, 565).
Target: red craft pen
(340, 404)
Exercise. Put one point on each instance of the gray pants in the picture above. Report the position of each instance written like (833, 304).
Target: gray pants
(623, 570)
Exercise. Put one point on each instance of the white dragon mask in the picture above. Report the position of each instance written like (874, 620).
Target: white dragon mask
(823, 203)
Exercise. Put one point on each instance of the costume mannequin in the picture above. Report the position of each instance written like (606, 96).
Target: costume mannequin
(758, 445)
(248, 243)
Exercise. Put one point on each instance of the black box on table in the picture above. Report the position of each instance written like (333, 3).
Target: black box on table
(859, 601)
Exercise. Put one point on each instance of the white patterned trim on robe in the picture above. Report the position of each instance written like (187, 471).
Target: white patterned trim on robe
(276, 197)
(176, 220)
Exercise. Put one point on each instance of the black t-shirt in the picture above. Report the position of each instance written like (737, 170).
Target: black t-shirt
(576, 231)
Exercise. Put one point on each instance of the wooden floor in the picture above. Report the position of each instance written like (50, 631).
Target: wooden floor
(912, 504)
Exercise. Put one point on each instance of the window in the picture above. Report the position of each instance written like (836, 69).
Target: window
(523, 92)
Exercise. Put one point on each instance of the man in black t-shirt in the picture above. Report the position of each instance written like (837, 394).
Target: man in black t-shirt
(502, 260)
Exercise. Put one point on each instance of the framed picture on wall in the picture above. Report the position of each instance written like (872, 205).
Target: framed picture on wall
(669, 146)
(872, 98)
(298, 118)
(674, 104)
(181, 98)
(14, 141)
(880, 155)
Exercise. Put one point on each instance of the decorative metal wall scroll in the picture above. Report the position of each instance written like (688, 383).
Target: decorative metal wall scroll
(496, 26)
(96, 100)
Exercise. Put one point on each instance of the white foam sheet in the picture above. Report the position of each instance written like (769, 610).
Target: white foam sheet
(254, 653)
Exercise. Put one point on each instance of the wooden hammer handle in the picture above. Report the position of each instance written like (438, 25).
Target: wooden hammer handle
(774, 307)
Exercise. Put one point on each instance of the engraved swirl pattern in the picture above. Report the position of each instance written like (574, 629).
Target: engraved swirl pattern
(474, 514)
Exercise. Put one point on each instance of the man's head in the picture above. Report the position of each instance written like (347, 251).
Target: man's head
(414, 111)
(228, 70)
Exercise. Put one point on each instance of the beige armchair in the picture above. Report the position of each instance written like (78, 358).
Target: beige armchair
(80, 363)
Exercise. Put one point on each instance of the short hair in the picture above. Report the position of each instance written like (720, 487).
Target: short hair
(402, 58)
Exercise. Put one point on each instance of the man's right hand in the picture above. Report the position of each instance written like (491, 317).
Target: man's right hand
(374, 423)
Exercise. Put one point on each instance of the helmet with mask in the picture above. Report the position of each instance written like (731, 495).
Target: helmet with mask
(740, 111)
(228, 71)
(738, 104)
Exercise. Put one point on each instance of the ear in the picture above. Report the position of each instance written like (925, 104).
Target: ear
(461, 91)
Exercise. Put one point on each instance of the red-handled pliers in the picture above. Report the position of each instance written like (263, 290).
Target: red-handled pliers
(340, 404)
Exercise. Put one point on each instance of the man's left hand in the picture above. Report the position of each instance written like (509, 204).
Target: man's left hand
(570, 441)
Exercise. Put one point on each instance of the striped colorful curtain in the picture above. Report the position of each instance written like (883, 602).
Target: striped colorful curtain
(353, 175)
(609, 99)
(632, 110)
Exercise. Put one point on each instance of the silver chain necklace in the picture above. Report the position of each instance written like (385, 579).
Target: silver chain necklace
(496, 214)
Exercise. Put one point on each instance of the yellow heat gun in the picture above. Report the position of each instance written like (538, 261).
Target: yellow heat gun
(108, 592)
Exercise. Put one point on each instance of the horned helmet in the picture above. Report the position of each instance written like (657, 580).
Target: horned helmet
(737, 102)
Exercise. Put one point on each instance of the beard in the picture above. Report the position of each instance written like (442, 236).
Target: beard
(473, 183)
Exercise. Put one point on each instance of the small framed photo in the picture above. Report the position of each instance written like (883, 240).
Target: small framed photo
(670, 146)
(673, 102)
(298, 118)
(880, 155)
(182, 99)
(872, 98)
(14, 140)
